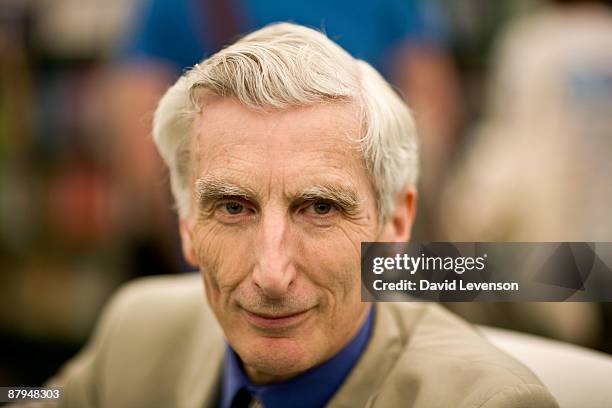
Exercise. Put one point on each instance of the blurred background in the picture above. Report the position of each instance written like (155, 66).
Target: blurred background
(513, 100)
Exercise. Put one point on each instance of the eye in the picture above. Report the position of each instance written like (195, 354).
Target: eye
(322, 207)
(233, 207)
(234, 210)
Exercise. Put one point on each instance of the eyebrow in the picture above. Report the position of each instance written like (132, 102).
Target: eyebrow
(210, 188)
(343, 197)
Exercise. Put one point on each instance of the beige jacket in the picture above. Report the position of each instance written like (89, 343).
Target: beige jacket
(159, 345)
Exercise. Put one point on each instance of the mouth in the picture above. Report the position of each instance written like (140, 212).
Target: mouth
(280, 321)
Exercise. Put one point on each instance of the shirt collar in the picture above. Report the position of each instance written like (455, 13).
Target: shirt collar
(312, 388)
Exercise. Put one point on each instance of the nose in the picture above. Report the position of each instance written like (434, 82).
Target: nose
(274, 270)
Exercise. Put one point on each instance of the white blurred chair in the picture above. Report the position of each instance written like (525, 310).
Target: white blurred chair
(578, 377)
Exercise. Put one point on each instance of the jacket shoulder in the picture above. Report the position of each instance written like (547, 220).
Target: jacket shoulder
(151, 313)
(159, 301)
(446, 362)
(143, 345)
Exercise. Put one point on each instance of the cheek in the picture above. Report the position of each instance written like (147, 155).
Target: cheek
(332, 261)
(223, 255)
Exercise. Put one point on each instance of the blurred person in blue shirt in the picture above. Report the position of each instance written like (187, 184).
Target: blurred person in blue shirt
(181, 33)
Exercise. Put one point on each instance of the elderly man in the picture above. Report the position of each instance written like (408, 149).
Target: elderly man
(285, 153)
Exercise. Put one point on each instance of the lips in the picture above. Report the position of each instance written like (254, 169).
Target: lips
(281, 321)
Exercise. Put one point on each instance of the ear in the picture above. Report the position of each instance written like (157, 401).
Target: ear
(399, 225)
(185, 227)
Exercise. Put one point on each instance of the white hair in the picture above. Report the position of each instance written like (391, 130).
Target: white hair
(279, 67)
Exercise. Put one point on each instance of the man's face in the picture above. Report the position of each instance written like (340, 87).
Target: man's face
(283, 201)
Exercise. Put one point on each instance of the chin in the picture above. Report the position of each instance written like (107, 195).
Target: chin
(278, 356)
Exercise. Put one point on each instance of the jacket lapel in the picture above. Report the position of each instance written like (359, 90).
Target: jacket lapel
(381, 354)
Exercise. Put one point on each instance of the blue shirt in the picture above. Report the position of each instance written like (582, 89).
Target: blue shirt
(175, 31)
(313, 388)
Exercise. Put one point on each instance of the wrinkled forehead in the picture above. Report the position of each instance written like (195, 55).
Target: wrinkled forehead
(226, 130)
